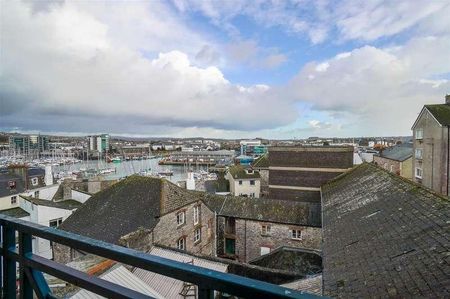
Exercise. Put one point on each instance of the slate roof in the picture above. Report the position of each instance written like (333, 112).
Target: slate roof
(4, 184)
(265, 209)
(261, 162)
(311, 284)
(69, 204)
(441, 112)
(123, 208)
(399, 153)
(15, 212)
(384, 236)
(239, 172)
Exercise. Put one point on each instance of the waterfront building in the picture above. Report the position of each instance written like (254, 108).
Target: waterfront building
(99, 143)
(28, 144)
(296, 173)
(253, 148)
(431, 139)
(244, 181)
(396, 159)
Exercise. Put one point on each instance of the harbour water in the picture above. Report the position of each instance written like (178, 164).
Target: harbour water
(127, 168)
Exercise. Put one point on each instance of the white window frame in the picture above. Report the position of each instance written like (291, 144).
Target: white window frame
(419, 153)
(197, 235)
(196, 215)
(181, 218)
(57, 220)
(419, 176)
(265, 230)
(296, 234)
(419, 133)
(14, 199)
(181, 243)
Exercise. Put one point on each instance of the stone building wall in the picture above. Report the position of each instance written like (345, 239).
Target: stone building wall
(388, 164)
(249, 238)
(167, 232)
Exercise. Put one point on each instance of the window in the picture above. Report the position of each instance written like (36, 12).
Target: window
(13, 200)
(196, 215)
(12, 184)
(230, 225)
(181, 243)
(252, 182)
(391, 169)
(180, 218)
(419, 173)
(265, 230)
(419, 152)
(265, 250)
(250, 171)
(197, 235)
(36, 194)
(34, 181)
(296, 234)
(252, 194)
(55, 222)
(419, 133)
(240, 182)
(230, 246)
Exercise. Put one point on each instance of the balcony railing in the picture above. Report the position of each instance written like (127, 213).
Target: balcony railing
(32, 267)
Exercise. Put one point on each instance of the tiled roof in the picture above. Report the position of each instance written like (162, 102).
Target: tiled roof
(239, 172)
(15, 212)
(311, 284)
(123, 208)
(441, 112)
(384, 236)
(265, 209)
(400, 152)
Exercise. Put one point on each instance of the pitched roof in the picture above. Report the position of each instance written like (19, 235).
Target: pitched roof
(441, 112)
(265, 209)
(311, 284)
(400, 152)
(261, 162)
(123, 208)
(383, 236)
(5, 177)
(239, 172)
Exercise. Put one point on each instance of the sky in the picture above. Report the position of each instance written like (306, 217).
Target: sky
(223, 69)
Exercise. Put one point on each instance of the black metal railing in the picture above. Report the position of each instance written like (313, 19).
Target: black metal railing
(32, 267)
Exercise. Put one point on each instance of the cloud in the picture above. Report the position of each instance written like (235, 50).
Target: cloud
(380, 91)
(74, 72)
(316, 124)
(250, 53)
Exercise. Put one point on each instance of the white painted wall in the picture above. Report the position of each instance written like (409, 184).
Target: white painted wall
(80, 196)
(46, 192)
(42, 215)
(246, 188)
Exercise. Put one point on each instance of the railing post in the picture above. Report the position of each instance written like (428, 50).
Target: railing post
(25, 248)
(205, 293)
(9, 265)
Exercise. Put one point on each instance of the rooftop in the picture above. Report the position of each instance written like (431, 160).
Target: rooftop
(239, 172)
(15, 212)
(441, 112)
(261, 162)
(399, 153)
(384, 236)
(68, 204)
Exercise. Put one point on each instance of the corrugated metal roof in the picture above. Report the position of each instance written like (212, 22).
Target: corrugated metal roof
(169, 287)
(121, 276)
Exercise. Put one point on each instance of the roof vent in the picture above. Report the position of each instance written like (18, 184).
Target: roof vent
(447, 99)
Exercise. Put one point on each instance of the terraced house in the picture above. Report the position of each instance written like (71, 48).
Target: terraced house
(431, 159)
(141, 212)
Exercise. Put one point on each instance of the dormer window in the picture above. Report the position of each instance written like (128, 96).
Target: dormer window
(12, 185)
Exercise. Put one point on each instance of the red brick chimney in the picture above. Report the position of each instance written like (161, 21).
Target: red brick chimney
(447, 99)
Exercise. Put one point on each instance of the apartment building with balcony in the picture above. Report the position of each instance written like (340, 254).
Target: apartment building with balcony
(431, 146)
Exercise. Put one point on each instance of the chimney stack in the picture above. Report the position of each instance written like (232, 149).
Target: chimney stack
(447, 99)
